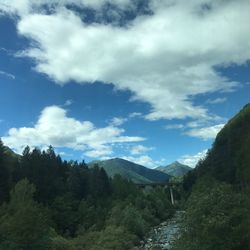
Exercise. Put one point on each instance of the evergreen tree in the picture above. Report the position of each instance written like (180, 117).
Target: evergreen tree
(4, 175)
(24, 224)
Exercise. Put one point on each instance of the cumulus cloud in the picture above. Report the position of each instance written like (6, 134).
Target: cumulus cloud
(139, 149)
(206, 132)
(55, 127)
(164, 59)
(192, 160)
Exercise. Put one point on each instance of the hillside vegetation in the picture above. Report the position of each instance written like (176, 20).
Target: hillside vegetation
(47, 203)
(218, 208)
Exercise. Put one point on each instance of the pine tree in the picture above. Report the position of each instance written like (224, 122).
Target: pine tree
(24, 224)
(4, 175)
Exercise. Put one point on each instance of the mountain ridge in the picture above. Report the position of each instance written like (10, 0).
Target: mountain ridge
(130, 170)
(175, 169)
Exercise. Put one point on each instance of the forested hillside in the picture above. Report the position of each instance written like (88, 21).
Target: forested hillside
(218, 208)
(229, 158)
(47, 203)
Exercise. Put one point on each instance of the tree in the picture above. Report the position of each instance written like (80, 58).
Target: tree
(217, 217)
(111, 238)
(24, 224)
(99, 183)
(4, 175)
(127, 216)
(77, 180)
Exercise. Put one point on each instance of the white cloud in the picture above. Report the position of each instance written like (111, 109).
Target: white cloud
(143, 160)
(192, 160)
(117, 121)
(8, 75)
(206, 132)
(100, 151)
(155, 57)
(217, 100)
(55, 128)
(196, 124)
(68, 103)
(174, 126)
(62, 153)
(135, 114)
(139, 149)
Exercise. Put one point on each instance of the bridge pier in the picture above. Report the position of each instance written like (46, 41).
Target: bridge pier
(171, 195)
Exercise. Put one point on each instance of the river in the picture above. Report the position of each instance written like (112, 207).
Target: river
(162, 236)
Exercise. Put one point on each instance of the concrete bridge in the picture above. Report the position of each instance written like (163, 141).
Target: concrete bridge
(160, 184)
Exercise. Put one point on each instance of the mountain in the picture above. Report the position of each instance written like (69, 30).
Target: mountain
(10, 152)
(229, 158)
(132, 171)
(175, 169)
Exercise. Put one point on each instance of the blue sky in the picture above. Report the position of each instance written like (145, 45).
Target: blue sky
(148, 81)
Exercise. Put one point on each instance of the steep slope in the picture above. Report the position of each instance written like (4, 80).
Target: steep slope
(11, 153)
(131, 171)
(229, 158)
(175, 169)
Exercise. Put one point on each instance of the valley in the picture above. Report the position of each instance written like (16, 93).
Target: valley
(117, 204)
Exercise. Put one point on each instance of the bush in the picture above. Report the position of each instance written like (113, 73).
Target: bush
(217, 217)
(128, 217)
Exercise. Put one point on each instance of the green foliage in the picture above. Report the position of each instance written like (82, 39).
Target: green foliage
(24, 224)
(217, 217)
(64, 210)
(123, 189)
(59, 205)
(218, 209)
(128, 217)
(111, 238)
(4, 175)
(45, 171)
(60, 243)
(159, 203)
(77, 180)
(229, 158)
(99, 183)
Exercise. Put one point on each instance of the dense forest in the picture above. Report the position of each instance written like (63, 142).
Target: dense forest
(218, 189)
(47, 203)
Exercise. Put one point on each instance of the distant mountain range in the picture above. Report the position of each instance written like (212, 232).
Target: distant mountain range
(132, 171)
(175, 169)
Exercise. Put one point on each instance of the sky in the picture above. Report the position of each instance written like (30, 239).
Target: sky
(149, 81)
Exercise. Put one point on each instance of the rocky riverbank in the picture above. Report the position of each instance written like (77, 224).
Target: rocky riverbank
(162, 236)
